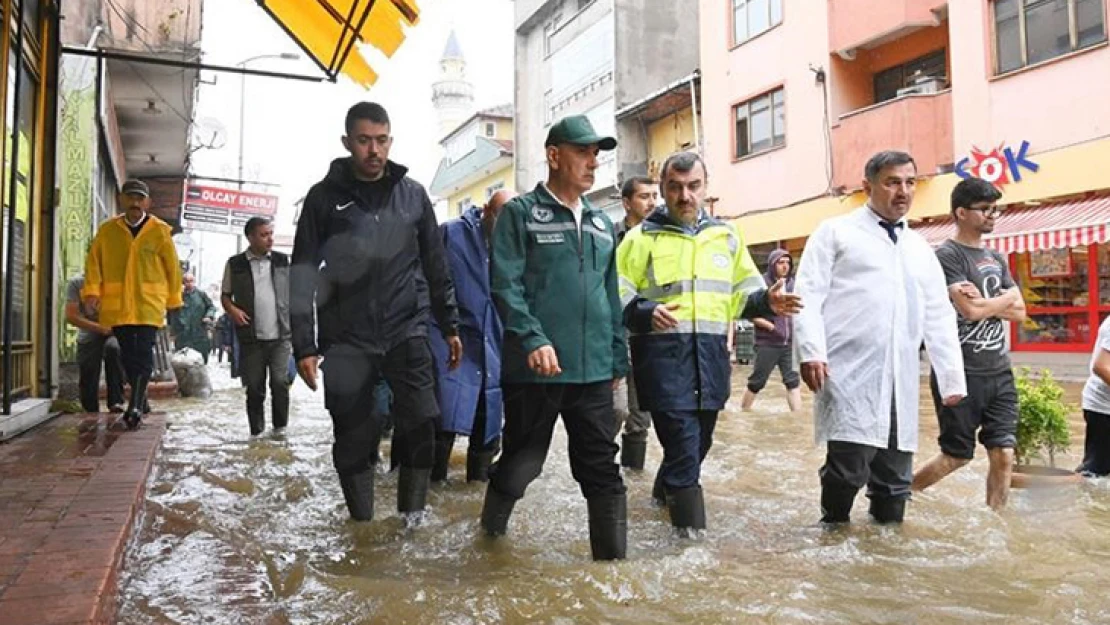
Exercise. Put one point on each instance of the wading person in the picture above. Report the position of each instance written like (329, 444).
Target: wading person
(639, 196)
(1096, 409)
(555, 285)
(368, 269)
(96, 346)
(132, 277)
(873, 290)
(774, 341)
(255, 296)
(984, 296)
(685, 279)
(192, 324)
(470, 395)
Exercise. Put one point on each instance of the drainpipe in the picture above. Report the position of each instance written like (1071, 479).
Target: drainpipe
(694, 104)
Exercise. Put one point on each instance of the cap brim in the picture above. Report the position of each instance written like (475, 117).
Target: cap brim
(604, 143)
(137, 192)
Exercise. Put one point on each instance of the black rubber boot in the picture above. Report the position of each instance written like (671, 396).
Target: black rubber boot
(608, 526)
(633, 452)
(659, 492)
(412, 489)
(836, 504)
(687, 508)
(496, 512)
(358, 491)
(477, 465)
(443, 445)
(886, 510)
(133, 416)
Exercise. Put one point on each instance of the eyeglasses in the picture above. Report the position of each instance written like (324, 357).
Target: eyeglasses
(988, 211)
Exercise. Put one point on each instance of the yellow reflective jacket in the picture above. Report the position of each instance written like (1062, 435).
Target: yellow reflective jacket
(710, 275)
(136, 278)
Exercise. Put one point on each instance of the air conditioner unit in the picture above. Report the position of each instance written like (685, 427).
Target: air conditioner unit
(924, 85)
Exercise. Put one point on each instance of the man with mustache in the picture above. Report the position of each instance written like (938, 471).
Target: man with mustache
(685, 279)
(554, 282)
(984, 295)
(873, 290)
(368, 270)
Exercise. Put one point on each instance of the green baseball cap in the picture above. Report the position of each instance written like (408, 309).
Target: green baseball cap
(577, 130)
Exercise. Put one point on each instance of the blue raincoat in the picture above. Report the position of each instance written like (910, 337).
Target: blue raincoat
(479, 329)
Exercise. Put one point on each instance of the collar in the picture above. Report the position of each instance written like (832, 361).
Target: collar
(878, 219)
(252, 256)
(574, 209)
(135, 225)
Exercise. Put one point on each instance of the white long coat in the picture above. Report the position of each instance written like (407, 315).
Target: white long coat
(868, 304)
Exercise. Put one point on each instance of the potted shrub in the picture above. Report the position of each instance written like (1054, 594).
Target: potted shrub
(1042, 431)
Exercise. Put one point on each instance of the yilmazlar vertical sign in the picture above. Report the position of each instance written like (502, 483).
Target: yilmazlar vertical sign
(76, 164)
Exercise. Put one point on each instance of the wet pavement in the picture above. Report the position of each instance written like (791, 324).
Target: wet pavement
(255, 531)
(69, 493)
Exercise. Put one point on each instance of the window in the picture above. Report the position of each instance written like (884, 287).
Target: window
(491, 129)
(760, 124)
(752, 17)
(1031, 31)
(494, 188)
(889, 81)
(464, 204)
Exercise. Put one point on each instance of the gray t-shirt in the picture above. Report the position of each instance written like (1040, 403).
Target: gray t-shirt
(73, 294)
(983, 341)
(1096, 394)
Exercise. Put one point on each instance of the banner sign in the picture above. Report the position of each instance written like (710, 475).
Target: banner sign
(224, 210)
(999, 167)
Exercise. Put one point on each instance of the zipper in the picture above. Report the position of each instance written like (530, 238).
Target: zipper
(582, 280)
(694, 317)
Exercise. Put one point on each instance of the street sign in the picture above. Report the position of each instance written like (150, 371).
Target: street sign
(224, 210)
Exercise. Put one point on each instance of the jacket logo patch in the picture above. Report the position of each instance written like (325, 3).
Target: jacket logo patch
(721, 261)
(542, 215)
(549, 237)
(343, 207)
(598, 222)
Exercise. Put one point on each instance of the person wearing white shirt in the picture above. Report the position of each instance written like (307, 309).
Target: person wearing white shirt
(1096, 409)
(874, 290)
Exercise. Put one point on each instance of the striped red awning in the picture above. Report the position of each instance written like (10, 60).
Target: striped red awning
(1049, 226)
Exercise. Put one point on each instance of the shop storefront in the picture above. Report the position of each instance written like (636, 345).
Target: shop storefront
(26, 95)
(1059, 255)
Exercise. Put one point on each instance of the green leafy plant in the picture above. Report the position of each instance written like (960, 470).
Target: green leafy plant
(1042, 428)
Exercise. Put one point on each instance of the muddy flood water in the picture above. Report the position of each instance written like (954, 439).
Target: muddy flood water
(255, 531)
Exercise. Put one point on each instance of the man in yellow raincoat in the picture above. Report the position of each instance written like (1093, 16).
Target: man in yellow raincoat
(132, 277)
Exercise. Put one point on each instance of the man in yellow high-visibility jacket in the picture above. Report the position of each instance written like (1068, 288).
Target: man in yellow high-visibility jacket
(132, 277)
(685, 278)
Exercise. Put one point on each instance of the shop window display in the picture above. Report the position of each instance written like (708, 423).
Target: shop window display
(1056, 289)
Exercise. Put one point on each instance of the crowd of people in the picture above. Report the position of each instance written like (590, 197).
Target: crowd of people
(535, 307)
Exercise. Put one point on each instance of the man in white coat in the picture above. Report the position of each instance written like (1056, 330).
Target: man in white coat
(874, 290)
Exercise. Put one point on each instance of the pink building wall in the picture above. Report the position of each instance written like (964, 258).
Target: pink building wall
(1056, 104)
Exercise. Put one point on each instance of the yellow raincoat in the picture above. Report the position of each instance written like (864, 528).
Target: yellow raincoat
(136, 278)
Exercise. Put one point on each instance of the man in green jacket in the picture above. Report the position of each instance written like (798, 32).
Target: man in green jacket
(192, 323)
(554, 281)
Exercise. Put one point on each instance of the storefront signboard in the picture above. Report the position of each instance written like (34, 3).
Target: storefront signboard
(1000, 166)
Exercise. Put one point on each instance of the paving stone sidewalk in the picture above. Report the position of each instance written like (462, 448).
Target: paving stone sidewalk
(70, 493)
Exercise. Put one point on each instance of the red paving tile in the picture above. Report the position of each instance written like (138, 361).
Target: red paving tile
(69, 493)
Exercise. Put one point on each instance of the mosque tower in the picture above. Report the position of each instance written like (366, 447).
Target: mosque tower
(452, 95)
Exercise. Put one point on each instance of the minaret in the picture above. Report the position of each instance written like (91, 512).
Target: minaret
(452, 95)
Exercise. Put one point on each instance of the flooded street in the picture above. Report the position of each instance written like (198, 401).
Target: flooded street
(255, 531)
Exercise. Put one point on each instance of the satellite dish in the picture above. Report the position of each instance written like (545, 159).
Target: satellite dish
(210, 133)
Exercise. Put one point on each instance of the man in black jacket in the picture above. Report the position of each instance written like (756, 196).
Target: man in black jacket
(255, 295)
(368, 254)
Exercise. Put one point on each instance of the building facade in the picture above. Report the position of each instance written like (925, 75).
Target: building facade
(477, 162)
(798, 96)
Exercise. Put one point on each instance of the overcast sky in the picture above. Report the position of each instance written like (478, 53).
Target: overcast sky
(293, 128)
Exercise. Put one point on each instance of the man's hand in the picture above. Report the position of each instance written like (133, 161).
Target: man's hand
(662, 319)
(92, 302)
(814, 375)
(616, 384)
(952, 400)
(763, 324)
(103, 330)
(306, 367)
(455, 352)
(783, 303)
(544, 361)
(730, 342)
(239, 316)
(968, 289)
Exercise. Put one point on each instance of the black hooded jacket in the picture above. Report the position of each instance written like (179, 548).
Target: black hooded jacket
(370, 257)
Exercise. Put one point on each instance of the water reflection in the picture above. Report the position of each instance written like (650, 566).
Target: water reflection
(255, 531)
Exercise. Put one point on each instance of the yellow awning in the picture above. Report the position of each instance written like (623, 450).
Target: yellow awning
(330, 31)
